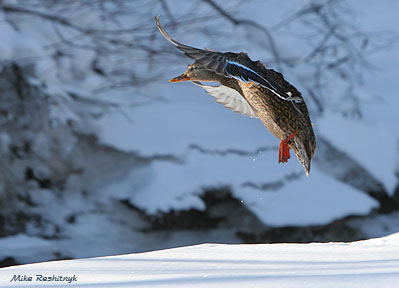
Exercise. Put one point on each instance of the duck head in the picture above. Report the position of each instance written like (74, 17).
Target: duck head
(196, 72)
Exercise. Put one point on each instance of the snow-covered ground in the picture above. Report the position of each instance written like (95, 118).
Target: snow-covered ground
(159, 156)
(371, 263)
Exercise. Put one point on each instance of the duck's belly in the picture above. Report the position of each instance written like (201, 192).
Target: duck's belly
(274, 112)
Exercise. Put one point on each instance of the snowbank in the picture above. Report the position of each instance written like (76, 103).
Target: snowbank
(371, 144)
(371, 263)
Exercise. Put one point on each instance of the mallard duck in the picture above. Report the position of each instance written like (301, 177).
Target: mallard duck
(249, 88)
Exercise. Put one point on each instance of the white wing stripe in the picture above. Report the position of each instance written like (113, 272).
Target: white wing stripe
(273, 90)
(230, 98)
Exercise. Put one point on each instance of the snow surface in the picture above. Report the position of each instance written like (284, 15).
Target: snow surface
(370, 263)
(317, 201)
(21, 245)
(371, 144)
(190, 116)
(212, 145)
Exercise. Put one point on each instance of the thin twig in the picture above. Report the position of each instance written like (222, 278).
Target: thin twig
(236, 21)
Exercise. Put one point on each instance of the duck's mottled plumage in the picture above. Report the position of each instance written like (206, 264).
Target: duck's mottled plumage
(250, 88)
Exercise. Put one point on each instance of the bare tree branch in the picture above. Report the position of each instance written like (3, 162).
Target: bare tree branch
(236, 21)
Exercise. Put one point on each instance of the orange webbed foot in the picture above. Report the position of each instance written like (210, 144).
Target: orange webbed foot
(284, 149)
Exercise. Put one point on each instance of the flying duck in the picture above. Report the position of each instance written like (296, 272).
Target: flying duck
(249, 88)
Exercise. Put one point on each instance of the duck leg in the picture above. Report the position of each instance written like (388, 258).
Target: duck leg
(284, 150)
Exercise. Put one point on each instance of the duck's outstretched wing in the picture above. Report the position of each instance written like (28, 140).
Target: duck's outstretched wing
(229, 65)
(230, 98)
(245, 74)
(212, 60)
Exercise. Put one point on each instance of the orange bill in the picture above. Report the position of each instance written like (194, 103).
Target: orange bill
(182, 77)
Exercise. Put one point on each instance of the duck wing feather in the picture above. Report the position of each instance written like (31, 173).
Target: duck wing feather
(231, 65)
(230, 98)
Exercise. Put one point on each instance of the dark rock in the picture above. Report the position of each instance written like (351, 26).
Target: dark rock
(8, 261)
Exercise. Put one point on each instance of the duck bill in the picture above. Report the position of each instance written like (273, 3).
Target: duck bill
(182, 77)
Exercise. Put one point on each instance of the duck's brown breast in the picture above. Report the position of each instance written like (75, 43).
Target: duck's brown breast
(275, 113)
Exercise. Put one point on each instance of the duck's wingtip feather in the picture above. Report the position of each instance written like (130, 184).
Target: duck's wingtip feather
(164, 33)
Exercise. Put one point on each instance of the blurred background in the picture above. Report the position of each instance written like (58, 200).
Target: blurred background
(100, 155)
